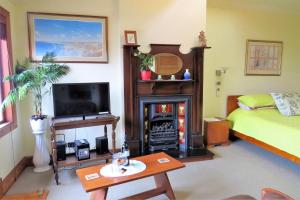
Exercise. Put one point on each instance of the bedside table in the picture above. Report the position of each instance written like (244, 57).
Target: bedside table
(216, 131)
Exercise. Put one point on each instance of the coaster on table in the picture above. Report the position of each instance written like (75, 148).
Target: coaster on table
(92, 176)
(163, 160)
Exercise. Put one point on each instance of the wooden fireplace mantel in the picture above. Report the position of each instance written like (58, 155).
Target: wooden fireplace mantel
(134, 89)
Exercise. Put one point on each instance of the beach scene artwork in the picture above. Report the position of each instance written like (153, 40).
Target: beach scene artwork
(69, 39)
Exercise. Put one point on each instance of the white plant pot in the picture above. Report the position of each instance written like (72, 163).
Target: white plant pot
(41, 157)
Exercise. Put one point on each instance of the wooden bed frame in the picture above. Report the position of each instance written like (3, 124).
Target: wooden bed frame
(231, 106)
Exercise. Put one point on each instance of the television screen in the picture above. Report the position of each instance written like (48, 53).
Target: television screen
(80, 99)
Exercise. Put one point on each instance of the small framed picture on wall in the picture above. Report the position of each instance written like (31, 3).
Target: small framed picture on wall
(263, 58)
(130, 37)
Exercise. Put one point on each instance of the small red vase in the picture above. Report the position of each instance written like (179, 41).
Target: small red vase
(145, 75)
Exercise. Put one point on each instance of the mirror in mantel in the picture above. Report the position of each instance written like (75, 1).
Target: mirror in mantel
(166, 64)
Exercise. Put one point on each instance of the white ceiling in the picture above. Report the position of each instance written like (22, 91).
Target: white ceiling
(284, 6)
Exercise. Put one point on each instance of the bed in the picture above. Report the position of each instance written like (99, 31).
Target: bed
(266, 128)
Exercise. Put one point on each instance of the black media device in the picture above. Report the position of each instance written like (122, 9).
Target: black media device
(101, 145)
(81, 99)
(82, 149)
(61, 150)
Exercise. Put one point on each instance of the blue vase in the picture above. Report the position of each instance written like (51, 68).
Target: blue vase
(187, 75)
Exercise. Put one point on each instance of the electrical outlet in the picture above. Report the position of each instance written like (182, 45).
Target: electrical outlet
(218, 91)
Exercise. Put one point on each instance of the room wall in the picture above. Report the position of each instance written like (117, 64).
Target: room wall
(79, 72)
(228, 28)
(165, 21)
(11, 145)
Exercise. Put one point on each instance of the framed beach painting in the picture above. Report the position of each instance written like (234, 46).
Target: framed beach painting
(263, 58)
(72, 38)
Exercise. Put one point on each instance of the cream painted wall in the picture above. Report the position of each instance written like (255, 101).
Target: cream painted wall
(12, 144)
(160, 21)
(164, 21)
(227, 32)
(111, 72)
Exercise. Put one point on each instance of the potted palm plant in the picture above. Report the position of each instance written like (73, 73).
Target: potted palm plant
(146, 61)
(36, 78)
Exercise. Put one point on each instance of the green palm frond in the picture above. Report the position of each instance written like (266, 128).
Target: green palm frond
(11, 98)
(32, 78)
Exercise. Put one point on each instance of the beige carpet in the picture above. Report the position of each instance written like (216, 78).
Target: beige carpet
(240, 168)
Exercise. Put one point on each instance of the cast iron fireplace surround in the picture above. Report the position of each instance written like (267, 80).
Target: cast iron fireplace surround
(148, 100)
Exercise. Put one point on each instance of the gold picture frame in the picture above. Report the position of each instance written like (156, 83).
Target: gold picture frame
(72, 38)
(130, 37)
(263, 58)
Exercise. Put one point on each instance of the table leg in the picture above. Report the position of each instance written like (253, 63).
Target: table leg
(105, 130)
(114, 136)
(162, 180)
(56, 177)
(98, 194)
(163, 186)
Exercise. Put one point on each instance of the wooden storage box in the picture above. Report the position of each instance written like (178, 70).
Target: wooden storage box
(216, 131)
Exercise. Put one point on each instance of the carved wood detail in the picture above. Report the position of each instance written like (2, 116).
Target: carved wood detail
(134, 88)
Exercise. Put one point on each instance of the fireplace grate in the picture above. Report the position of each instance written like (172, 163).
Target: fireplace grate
(163, 137)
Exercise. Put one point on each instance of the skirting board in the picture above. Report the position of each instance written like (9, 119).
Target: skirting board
(9, 180)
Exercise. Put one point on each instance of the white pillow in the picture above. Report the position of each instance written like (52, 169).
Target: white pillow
(244, 107)
(288, 104)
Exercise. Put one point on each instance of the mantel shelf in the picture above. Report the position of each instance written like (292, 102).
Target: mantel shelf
(166, 81)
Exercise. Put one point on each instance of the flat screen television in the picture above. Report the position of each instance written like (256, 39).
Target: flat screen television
(80, 99)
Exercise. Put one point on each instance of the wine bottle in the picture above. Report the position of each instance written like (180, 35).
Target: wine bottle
(126, 153)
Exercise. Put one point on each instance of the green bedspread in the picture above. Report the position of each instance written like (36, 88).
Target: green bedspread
(270, 127)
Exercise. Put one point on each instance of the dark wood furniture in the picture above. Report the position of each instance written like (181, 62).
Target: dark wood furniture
(38, 195)
(231, 106)
(240, 197)
(216, 132)
(135, 89)
(271, 194)
(9, 114)
(266, 194)
(71, 159)
(98, 188)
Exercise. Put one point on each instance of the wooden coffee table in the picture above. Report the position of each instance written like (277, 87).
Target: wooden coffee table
(98, 188)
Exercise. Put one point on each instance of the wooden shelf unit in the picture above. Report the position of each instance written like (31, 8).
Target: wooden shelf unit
(71, 159)
(166, 81)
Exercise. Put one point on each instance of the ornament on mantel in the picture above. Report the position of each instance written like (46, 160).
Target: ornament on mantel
(202, 39)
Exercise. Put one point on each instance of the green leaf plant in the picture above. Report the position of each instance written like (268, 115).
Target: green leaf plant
(36, 78)
(146, 60)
